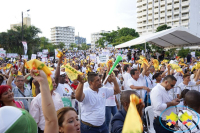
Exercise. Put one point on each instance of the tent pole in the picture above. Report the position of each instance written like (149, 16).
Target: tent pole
(145, 49)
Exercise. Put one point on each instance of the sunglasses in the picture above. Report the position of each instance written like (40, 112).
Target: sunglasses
(172, 85)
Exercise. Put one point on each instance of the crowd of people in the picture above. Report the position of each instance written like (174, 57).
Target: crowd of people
(165, 85)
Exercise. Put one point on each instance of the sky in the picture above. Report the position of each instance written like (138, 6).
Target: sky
(87, 16)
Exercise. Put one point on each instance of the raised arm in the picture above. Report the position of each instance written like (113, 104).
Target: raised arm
(116, 86)
(197, 75)
(48, 108)
(79, 95)
(144, 69)
(57, 73)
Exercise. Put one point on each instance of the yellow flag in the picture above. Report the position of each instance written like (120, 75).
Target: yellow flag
(177, 68)
(133, 122)
(143, 60)
(8, 66)
(33, 90)
(156, 64)
(72, 73)
(38, 65)
(59, 54)
(164, 61)
(19, 73)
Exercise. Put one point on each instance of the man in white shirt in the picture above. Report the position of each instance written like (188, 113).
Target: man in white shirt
(36, 107)
(192, 99)
(160, 101)
(137, 82)
(93, 102)
(126, 76)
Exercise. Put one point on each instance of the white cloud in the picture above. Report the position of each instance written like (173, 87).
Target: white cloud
(87, 16)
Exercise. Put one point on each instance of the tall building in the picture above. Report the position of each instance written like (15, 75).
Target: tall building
(96, 36)
(174, 13)
(26, 21)
(63, 34)
(80, 40)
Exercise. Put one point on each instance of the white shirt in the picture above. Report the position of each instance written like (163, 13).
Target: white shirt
(140, 82)
(192, 127)
(64, 90)
(93, 105)
(84, 69)
(36, 108)
(159, 97)
(126, 77)
(111, 100)
(183, 86)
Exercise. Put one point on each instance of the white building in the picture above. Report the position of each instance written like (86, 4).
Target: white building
(174, 13)
(96, 36)
(63, 34)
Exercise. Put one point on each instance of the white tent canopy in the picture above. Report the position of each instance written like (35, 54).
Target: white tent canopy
(170, 38)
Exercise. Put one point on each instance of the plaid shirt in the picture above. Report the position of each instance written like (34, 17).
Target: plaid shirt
(27, 93)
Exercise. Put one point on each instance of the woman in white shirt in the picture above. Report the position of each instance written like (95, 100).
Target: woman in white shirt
(186, 82)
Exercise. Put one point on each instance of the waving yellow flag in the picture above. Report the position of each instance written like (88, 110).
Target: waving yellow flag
(177, 68)
(72, 73)
(38, 65)
(133, 122)
(156, 64)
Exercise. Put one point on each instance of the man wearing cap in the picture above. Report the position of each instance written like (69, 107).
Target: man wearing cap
(60, 77)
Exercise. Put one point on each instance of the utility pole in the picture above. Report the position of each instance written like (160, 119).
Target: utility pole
(22, 26)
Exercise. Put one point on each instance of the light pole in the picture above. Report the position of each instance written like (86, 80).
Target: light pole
(22, 23)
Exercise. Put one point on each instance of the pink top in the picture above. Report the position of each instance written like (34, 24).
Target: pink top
(19, 104)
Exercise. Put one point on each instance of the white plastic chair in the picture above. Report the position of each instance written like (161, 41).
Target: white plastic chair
(149, 119)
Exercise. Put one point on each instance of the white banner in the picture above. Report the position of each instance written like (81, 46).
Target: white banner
(193, 54)
(39, 54)
(45, 51)
(25, 47)
(51, 58)
(33, 56)
(12, 55)
(25, 57)
(44, 58)
(93, 58)
(2, 53)
(103, 58)
(105, 52)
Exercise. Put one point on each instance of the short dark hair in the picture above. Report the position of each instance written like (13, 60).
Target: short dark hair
(192, 99)
(91, 76)
(126, 67)
(156, 75)
(186, 75)
(169, 78)
(132, 72)
(118, 66)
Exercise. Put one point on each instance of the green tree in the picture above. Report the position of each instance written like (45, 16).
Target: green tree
(73, 45)
(183, 52)
(61, 45)
(12, 43)
(163, 27)
(84, 46)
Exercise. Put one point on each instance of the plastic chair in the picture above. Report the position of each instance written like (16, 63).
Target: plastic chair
(149, 119)
(66, 102)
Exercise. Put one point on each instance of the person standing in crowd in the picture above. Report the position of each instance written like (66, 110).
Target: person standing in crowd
(119, 118)
(189, 56)
(7, 97)
(93, 102)
(60, 78)
(36, 107)
(126, 76)
(160, 100)
(21, 91)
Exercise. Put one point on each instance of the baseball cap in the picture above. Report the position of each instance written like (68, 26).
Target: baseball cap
(15, 120)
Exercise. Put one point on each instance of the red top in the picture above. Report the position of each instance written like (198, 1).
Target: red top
(74, 86)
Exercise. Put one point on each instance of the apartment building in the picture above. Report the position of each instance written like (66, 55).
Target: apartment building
(26, 21)
(96, 36)
(80, 40)
(174, 13)
(63, 34)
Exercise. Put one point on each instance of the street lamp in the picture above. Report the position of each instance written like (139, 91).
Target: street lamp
(22, 23)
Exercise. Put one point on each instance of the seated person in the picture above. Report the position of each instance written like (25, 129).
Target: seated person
(119, 118)
(192, 125)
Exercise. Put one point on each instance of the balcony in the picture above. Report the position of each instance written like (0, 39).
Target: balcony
(162, 9)
(185, 3)
(162, 14)
(150, 1)
(162, 3)
(144, 18)
(169, 19)
(185, 16)
(144, 7)
(169, 1)
(176, 5)
(149, 11)
(139, 9)
(176, 1)
(155, 21)
(169, 13)
(144, 13)
(155, 16)
(156, 4)
(176, 11)
(144, 2)
(156, 10)
(185, 10)
(139, 14)
(176, 18)
(176, 24)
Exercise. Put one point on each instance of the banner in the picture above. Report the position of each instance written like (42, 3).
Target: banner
(25, 57)
(12, 55)
(2, 53)
(45, 51)
(103, 58)
(39, 54)
(25, 47)
(193, 54)
(93, 58)
(51, 58)
(44, 58)
(33, 56)
(105, 52)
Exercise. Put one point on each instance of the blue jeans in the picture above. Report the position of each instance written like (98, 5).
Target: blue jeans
(109, 110)
(87, 129)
